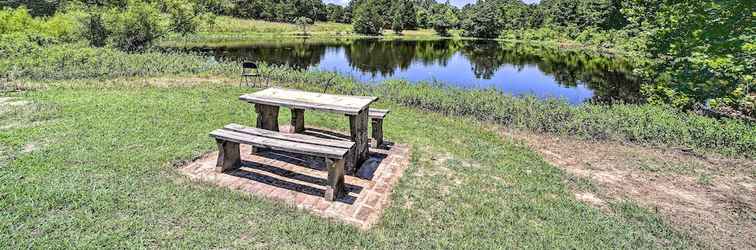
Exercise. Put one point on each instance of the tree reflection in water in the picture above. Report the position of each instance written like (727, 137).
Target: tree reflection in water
(575, 75)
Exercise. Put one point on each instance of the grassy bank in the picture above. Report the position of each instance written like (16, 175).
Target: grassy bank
(235, 30)
(641, 124)
(90, 167)
(230, 29)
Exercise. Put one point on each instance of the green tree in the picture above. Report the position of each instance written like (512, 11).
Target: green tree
(408, 14)
(367, 19)
(403, 16)
(444, 20)
(422, 18)
(397, 23)
(335, 13)
(184, 16)
(484, 21)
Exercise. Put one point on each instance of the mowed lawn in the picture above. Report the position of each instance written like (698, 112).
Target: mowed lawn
(96, 168)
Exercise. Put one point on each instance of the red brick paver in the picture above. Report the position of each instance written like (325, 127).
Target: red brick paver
(302, 185)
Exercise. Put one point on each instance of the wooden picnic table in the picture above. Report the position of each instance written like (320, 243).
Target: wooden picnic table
(267, 103)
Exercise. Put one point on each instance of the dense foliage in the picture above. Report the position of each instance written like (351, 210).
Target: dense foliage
(368, 19)
(697, 52)
(706, 52)
(131, 26)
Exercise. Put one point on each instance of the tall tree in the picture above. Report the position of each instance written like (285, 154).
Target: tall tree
(484, 21)
(444, 20)
(367, 18)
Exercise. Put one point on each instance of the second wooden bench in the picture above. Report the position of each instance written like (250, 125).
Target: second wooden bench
(376, 120)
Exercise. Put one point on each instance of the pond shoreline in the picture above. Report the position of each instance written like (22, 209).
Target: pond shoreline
(518, 68)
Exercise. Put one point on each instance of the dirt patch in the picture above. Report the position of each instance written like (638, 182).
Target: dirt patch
(711, 197)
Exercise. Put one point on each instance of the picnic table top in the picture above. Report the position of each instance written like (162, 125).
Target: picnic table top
(297, 99)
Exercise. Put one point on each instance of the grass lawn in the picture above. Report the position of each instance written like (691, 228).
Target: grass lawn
(95, 167)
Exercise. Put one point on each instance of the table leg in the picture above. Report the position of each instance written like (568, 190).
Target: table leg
(267, 117)
(297, 120)
(358, 129)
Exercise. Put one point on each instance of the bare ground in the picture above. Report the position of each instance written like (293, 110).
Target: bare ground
(711, 198)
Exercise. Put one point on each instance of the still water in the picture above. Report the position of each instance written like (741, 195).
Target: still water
(518, 69)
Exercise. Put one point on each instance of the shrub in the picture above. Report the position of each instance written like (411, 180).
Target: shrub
(18, 20)
(135, 27)
(65, 26)
(185, 16)
(94, 30)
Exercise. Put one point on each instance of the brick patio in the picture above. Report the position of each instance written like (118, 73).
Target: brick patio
(300, 181)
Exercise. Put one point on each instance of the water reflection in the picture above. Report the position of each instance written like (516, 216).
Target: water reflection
(515, 68)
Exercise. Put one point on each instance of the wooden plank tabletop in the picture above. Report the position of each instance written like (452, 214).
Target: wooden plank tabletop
(298, 99)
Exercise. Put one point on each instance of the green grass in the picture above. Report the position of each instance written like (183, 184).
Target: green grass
(102, 176)
(226, 24)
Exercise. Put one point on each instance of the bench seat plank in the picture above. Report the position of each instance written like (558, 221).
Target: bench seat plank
(280, 144)
(300, 138)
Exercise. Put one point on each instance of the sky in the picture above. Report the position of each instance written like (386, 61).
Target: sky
(458, 3)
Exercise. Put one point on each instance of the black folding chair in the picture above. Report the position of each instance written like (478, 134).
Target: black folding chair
(249, 70)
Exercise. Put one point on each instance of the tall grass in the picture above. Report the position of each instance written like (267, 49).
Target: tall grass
(224, 24)
(642, 124)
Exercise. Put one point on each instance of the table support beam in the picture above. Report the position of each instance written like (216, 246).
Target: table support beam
(358, 130)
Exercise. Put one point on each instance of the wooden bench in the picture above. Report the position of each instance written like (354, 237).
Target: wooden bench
(334, 151)
(376, 119)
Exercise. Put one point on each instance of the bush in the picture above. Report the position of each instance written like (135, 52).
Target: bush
(18, 20)
(184, 16)
(136, 27)
(95, 31)
(65, 26)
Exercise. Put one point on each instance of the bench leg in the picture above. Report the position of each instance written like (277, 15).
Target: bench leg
(228, 156)
(297, 120)
(377, 125)
(335, 188)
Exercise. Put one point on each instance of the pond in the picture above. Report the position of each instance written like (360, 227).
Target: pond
(518, 69)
